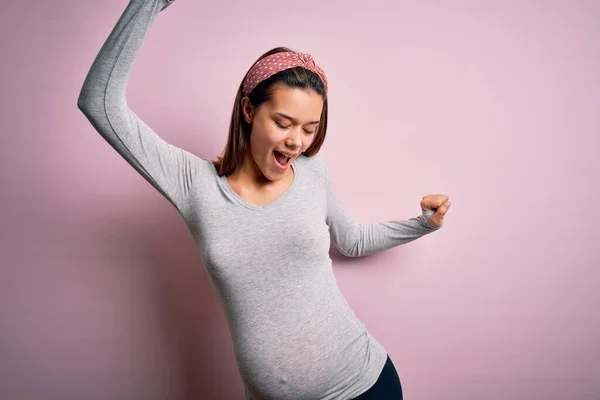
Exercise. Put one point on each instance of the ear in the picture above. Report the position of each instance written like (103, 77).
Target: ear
(248, 110)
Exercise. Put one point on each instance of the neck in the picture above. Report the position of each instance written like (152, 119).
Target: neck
(249, 172)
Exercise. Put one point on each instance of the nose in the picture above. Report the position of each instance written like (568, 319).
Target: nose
(294, 139)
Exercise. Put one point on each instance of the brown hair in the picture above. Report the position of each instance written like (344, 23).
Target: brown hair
(239, 130)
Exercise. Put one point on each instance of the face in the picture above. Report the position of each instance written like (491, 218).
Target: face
(284, 125)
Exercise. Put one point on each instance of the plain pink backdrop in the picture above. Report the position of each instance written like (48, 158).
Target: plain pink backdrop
(103, 294)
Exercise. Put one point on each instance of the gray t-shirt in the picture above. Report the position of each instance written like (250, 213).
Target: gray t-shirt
(294, 335)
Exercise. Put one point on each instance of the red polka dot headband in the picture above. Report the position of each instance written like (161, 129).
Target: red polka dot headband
(277, 62)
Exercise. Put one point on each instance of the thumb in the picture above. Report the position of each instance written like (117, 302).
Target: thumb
(437, 219)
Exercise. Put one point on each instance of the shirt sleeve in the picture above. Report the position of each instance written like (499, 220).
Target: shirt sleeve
(169, 169)
(354, 239)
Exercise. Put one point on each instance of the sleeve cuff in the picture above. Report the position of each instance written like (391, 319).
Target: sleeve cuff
(426, 214)
(165, 4)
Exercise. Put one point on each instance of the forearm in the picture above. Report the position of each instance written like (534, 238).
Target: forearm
(356, 240)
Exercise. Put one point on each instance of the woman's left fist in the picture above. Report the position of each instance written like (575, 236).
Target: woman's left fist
(438, 203)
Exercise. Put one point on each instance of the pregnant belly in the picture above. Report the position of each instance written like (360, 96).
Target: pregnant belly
(308, 359)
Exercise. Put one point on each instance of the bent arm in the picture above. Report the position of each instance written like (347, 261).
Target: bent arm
(356, 240)
(102, 100)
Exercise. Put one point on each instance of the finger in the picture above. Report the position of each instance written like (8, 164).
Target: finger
(433, 201)
(438, 218)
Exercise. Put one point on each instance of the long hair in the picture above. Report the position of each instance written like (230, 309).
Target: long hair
(238, 139)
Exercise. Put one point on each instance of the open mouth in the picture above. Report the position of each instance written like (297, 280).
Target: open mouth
(281, 158)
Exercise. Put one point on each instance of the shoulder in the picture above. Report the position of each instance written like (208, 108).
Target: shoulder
(313, 169)
(313, 165)
(205, 170)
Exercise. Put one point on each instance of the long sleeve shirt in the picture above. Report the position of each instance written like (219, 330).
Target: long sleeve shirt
(294, 334)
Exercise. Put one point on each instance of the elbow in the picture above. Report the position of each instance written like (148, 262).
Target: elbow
(82, 107)
(89, 101)
(83, 104)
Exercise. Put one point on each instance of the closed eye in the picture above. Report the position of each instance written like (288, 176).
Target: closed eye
(287, 127)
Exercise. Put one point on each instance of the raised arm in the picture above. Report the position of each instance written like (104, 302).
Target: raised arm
(169, 169)
(356, 240)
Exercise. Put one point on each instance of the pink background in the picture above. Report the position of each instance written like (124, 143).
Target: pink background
(102, 292)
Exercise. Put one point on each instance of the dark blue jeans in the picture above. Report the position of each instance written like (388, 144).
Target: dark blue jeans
(387, 386)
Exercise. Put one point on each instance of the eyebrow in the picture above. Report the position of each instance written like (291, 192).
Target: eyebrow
(293, 120)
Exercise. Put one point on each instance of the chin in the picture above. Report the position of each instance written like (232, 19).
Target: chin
(270, 170)
(272, 176)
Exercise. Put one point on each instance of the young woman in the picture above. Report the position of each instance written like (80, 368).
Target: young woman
(264, 216)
